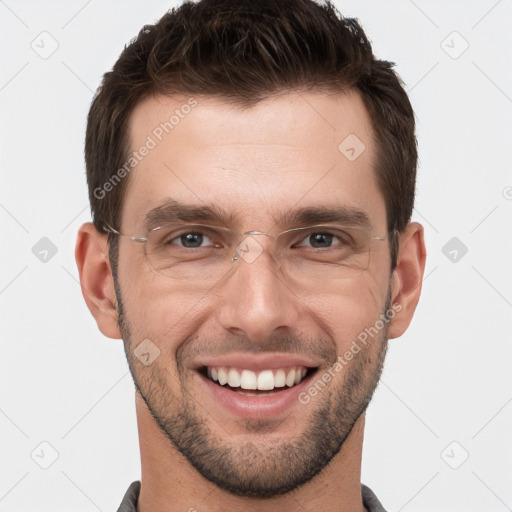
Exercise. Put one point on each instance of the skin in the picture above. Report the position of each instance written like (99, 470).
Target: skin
(271, 158)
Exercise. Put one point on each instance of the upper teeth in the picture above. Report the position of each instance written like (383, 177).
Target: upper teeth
(264, 380)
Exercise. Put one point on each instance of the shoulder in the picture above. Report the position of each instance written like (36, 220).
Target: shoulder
(370, 501)
(129, 503)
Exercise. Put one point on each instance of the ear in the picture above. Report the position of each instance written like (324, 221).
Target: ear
(407, 277)
(91, 254)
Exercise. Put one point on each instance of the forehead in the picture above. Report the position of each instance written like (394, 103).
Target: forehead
(287, 152)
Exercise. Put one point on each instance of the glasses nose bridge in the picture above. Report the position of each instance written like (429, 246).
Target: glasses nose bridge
(249, 248)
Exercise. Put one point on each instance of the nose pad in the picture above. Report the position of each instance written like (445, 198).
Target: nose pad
(249, 249)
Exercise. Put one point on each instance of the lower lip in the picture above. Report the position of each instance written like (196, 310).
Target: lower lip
(257, 406)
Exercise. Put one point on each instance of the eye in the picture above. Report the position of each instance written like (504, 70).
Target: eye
(190, 240)
(189, 237)
(323, 240)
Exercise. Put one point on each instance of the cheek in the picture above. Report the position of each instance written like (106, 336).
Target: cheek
(157, 309)
(343, 315)
(167, 312)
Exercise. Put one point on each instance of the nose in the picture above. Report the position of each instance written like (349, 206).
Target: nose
(256, 300)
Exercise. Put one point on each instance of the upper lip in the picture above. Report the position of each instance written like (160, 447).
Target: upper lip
(257, 362)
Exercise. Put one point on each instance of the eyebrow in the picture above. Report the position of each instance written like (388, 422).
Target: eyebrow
(172, 211)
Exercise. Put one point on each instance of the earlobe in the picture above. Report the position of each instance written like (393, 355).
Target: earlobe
(96, 279)
(407, 278)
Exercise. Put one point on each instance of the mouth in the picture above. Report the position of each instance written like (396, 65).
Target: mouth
(255, 386)
(265, 382)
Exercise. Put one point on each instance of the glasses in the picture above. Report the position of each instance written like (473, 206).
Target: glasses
(203, 254)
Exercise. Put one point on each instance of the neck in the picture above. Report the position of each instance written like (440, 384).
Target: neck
(171, 484)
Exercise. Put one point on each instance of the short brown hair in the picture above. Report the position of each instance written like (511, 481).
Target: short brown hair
(245, 51)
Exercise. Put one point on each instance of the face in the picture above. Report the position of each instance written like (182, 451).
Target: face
(262, 320)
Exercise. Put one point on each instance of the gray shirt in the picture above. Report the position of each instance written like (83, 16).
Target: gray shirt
(129, 503)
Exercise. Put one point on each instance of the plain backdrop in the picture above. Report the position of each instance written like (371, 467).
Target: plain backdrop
(438, 433)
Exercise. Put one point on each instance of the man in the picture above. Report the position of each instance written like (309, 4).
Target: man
(251, 169)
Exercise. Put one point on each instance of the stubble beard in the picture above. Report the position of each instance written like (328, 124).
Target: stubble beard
(268, 466)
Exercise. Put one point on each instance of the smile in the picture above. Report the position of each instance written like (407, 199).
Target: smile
(239, 379)
(254, 386)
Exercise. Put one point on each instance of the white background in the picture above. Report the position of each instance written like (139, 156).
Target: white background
(447, 379)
